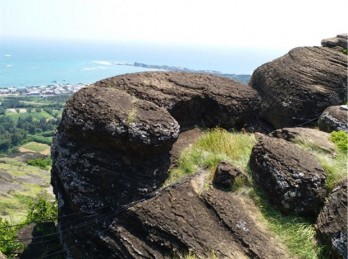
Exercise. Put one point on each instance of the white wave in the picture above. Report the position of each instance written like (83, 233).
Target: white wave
(8, 55)
(93, 68)
(102, 62)
(9, 65)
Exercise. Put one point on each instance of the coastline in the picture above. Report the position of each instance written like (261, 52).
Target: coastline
(43, 90)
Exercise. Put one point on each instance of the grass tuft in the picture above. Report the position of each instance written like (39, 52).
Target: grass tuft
(209, 150)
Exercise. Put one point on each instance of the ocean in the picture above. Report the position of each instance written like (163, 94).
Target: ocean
(41, 62)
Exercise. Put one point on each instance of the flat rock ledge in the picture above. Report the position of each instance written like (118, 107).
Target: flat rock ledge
(291, 178)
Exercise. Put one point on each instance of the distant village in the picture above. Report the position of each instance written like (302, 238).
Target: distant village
(44, 90)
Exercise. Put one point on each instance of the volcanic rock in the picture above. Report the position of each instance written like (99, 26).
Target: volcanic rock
(340, 40)
(113, 150)
(332, 221)
(334, 118)
(291, 177)
(226, 174)
(311, 137)
(192, 98)
(180, 220)
(297, 87)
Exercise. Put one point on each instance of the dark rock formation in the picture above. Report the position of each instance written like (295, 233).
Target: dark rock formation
(341, 40)
(297, 87)
(113, 149)
(311, 137)
(226, 174)
(291, 178)
(334, 118)
(110, 149)
(192, 99)
(182, 219)
(332, 221)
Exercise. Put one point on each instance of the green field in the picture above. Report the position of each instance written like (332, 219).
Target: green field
(19, 183)
(36, 147)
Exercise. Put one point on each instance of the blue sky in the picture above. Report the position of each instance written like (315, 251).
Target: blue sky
(248, 23)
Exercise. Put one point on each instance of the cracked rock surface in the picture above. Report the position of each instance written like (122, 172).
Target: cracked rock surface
(291, 177)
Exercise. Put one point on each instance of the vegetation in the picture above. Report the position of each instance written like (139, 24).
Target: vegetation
(42, 162)
(345, 51)
(335, 166)
(26, 119)
(213, 147)
(40, 210)
(296, 233)
(340, 138)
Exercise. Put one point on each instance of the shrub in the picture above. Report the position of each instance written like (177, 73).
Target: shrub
(8, 242)
(43, 162)
(41, 209)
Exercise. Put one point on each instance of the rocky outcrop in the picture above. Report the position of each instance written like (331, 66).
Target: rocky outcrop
(297, 87)
(332, 221)
(179, 220)
(341, 40)
(291, 178)
(192, 99)
(307, 136)
(111, 156)
(226, 174)
(334, 118)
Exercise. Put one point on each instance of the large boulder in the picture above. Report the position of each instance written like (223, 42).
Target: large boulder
(297, 87)
(192, 98)
(332, 221)
(113, 150)
(110, 148)
(334, 118)
(290, 177)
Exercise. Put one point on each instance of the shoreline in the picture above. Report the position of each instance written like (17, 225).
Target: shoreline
(43, 90)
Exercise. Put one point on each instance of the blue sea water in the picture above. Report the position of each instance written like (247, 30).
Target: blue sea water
(42, 62)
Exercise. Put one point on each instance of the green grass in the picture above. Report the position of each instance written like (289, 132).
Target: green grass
(13, 204)
(208, 151)
(340, 138)
(36, 147)
(336, 165)
(296, 233)
(36, 115)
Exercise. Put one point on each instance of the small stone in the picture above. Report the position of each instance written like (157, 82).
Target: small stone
(226, 174)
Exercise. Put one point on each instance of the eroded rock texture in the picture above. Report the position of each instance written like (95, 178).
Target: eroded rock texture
(112, 152)
(291, 178)
(334, 118)
(297, 87)
(332, 221)
(181, 220)
(192, 99)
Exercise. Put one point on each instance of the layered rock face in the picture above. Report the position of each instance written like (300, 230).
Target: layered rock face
(112, 153)
(192, 99)
(299, 86)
